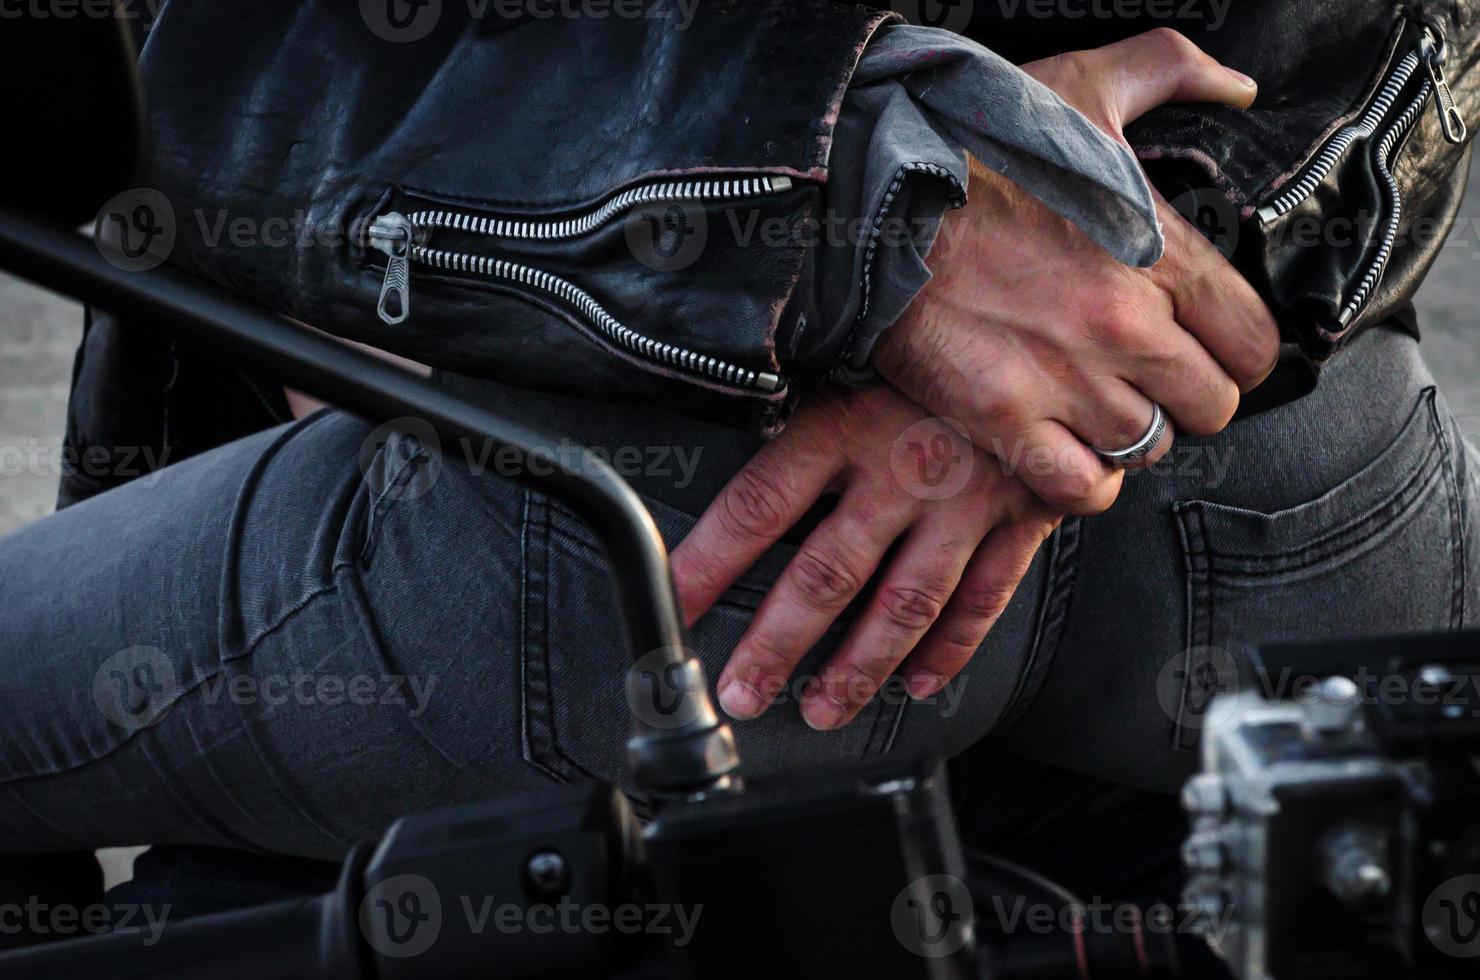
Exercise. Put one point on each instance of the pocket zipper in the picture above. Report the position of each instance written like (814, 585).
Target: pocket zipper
(402, 238)
(1430, 54)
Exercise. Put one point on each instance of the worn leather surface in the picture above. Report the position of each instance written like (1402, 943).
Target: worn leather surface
(300, 111)
(1308, 262)
(1318, 64)
(275, 111)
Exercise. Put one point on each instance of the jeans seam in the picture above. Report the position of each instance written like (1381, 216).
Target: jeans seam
(1199, 597)
(1060, 579)
(885, 723)
(208, 675)
(1456, 523)
(382, 502)
(544, 753)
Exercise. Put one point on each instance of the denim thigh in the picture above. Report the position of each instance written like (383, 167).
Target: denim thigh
(1354, 512)
(286, 642)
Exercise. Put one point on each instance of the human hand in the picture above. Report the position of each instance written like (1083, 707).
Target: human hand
(965, 534)
(1042, 345)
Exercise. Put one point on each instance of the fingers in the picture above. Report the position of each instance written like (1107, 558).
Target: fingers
(757, 506)
(1163, 66)
(986, 587)
(826, 574)
(921, 577)
(1115, 416)
(1216, 304)
(1065, 473)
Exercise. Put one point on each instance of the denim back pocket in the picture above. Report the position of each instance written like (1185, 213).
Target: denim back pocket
(1381, 553)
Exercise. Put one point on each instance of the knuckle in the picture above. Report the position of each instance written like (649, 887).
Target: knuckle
(985, 600)
(1072, 490)
(1159, 453)
(697, 568)
(763, 654)
(1214, 409)
(1126, 427)
(823, 579)
(866, 673)
(1120, 324)
(1085, 494)
(753, 505)
(1224, 404)
(1177, 48)
(1263, 353)
(959, 643)
(1001, 404)
(908, 609)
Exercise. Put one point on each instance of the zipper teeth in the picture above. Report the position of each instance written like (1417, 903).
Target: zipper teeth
(1375, 270)
(593, 311)
(518, 228)
(1332, 152)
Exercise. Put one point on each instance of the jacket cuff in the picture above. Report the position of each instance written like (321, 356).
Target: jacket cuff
(920, 100)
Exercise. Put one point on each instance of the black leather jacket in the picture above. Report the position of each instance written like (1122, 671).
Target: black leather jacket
(528, 192)
(605, 206)
(1335, 192)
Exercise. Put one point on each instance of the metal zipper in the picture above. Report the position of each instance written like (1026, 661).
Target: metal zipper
(1430, 55)
(401, 238)
(660, 193)
(1382, 162)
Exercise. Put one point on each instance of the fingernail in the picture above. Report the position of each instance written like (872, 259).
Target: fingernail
(823, 714)
(739, 701)
(922, 686)
(1243, 79)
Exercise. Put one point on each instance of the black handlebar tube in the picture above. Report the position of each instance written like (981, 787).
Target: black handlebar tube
(300, 939)
(693, 755)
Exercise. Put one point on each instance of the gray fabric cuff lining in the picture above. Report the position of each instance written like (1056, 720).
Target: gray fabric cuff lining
(920, 99)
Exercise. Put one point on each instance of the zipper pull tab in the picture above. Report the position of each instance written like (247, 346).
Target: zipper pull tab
(392, 234)
(1455, 130)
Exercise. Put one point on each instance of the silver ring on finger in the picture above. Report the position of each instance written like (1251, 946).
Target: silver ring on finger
(1145, 446)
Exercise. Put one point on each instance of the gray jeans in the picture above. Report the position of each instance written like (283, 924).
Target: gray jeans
(282, 644)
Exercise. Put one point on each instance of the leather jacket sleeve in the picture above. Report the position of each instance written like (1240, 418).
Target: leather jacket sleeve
(1334, 193)
(601, 206)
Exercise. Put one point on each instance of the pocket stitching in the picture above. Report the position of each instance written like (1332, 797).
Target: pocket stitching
(1388, 518)
(1203, 563)
(1354, 532)
(539, 737)
(1456, 523)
